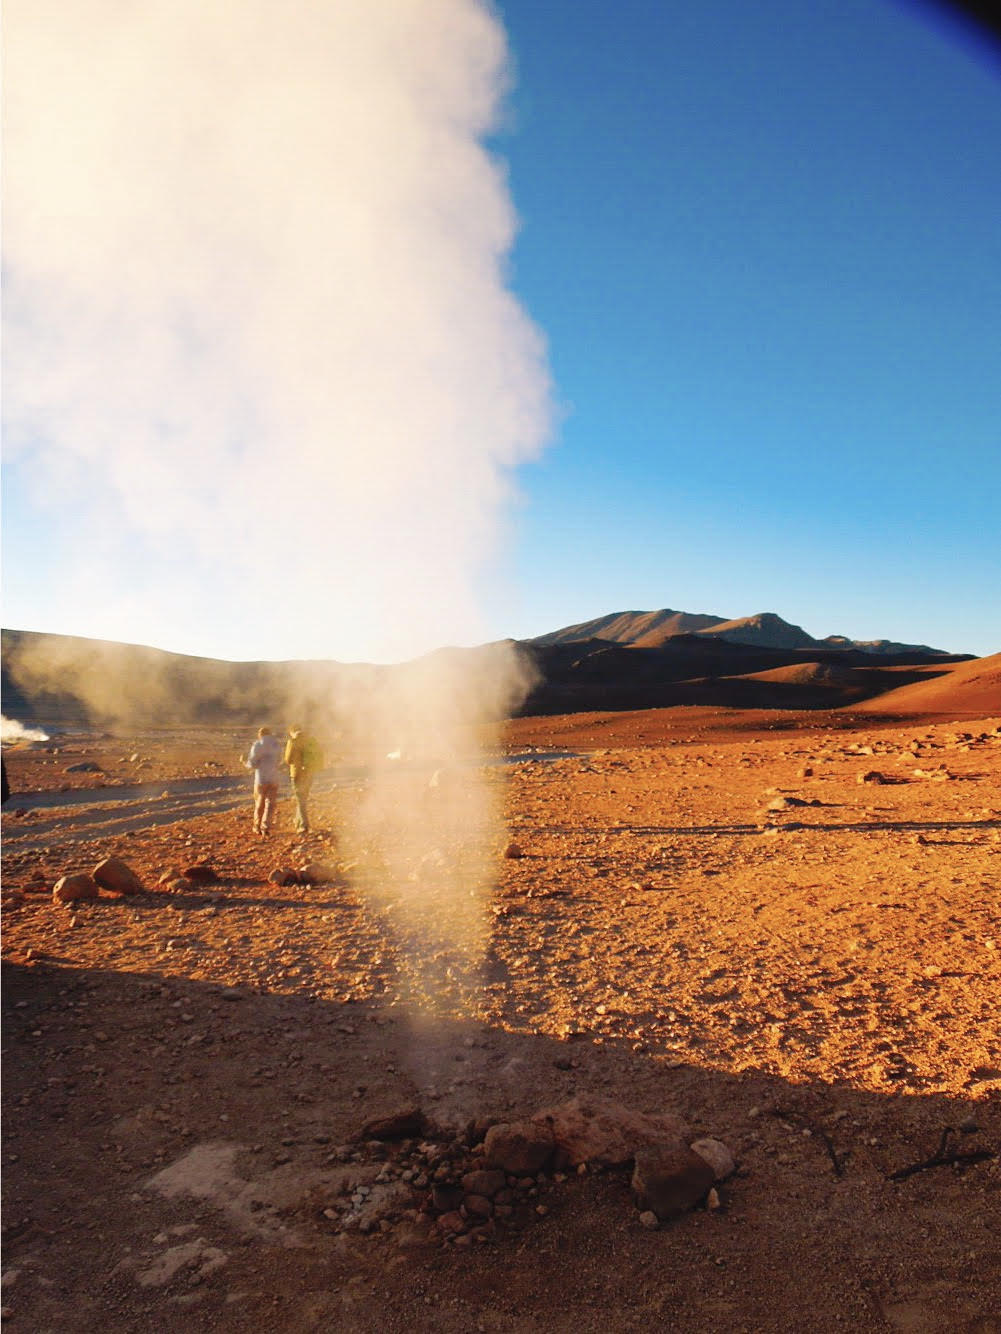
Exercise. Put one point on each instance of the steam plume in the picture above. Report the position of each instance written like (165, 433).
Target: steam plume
(260, 351)
(263, 361)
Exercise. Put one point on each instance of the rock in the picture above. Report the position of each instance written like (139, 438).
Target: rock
(649, 1220)
(670, 1179)
(717, 1155)
(451, 1222)
(179, 886)
(167, 877)
(72, 888)
(478, 1205)
(317, 873)
(405, 1124)
(115, 875)
(600, 1130)
(872, 776)
(519, 1147)
(446, 1198)
(202, 874)
(283, 876)
(484, 1182)
(513, 852)
(84, 767)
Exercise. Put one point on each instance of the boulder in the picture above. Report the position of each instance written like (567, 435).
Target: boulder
(668, 1180)
(73, 888)
(115, 875)
(599, 1130)
(521, 1148)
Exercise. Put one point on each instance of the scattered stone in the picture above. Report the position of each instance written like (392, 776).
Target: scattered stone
(717, 1155)
(405, 1124)
(872, 776)
(669, 1180)
(73, 888)
(484, 1182)
(283, 876)
(118, 877)
(84, 767)
(650, 1220)
(521, 1148)
(513, 852)
(317, 873)
(478, 1205)
(169, 876)
(201, 874)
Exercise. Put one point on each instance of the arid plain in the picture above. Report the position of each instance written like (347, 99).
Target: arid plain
(783, 927)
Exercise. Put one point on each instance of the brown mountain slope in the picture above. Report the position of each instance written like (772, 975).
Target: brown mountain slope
(645, 629)
(965, 687)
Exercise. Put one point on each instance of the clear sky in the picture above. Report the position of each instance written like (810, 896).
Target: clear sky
(761, 244)
(764, 242)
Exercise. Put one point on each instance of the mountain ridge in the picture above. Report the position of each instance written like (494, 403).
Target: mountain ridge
(650, 629)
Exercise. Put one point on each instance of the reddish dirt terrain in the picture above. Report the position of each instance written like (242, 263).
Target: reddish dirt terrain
(705, 913)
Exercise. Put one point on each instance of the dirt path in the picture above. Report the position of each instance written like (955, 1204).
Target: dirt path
(730, 926)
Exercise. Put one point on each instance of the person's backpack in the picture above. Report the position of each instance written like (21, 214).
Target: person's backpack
(312, 755)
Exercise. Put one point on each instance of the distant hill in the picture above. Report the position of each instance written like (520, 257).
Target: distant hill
(650, 629)
(61, 680)
(965, 687)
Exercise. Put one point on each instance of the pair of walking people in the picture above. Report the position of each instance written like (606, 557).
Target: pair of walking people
(302, 755)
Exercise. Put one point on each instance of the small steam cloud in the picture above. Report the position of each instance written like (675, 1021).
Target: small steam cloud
(12, 732)
(264, 363)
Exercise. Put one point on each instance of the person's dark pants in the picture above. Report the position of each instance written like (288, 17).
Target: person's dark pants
(300, 790)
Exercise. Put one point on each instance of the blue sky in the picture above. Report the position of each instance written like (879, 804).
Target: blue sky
(764, 242)
(761, 241)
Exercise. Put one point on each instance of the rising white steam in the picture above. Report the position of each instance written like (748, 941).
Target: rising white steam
(260, 350)
(263, 360)
(12, 731)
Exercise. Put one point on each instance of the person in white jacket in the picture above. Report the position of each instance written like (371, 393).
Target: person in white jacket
(265, 759)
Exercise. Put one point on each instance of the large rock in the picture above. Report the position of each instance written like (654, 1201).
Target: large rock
(521, 1148)
(72, 888)
(668, 1180)
(599, 1130)
(116, 876)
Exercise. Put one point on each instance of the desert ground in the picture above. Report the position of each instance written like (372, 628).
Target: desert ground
(781, 927)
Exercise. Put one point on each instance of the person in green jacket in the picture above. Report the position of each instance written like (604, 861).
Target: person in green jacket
(305, 760)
